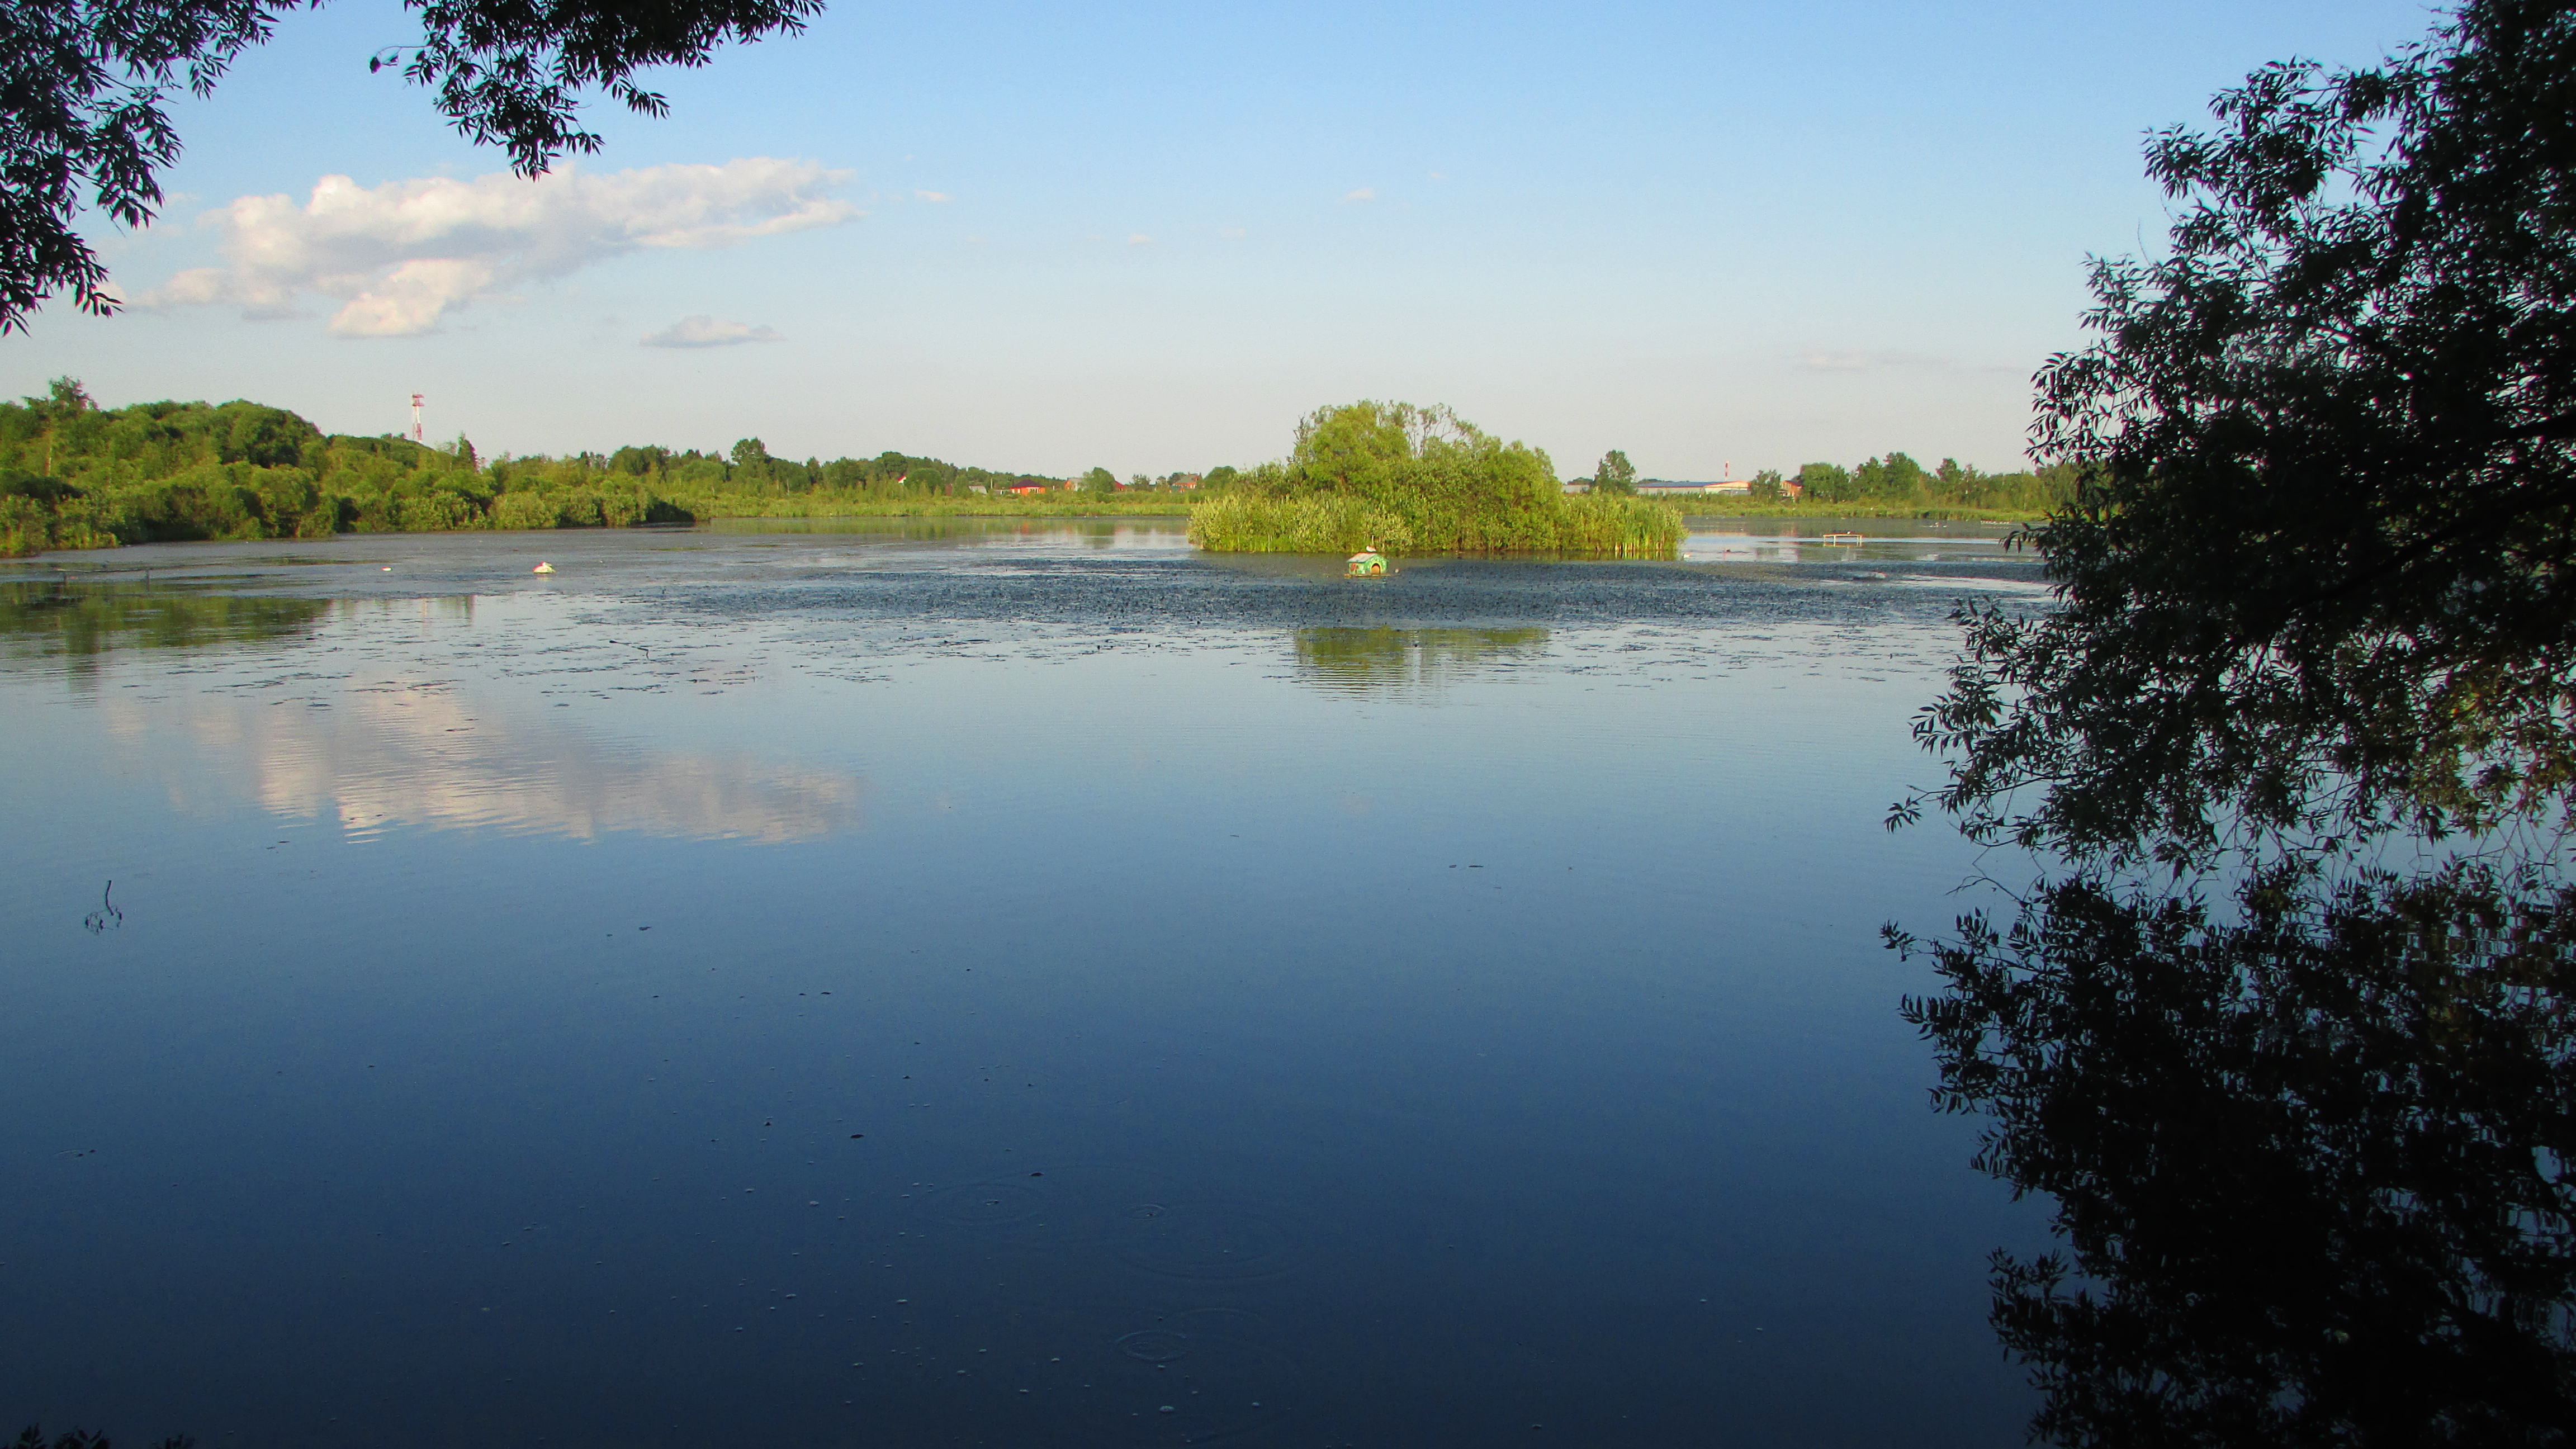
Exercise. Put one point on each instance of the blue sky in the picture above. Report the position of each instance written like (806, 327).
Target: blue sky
(1148, 237)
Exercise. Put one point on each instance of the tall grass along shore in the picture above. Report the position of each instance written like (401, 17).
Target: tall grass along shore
(1578, 524)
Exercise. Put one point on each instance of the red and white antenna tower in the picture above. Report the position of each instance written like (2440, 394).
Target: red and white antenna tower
(416, 435)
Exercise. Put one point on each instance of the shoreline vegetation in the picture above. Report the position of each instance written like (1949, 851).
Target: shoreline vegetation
(1940, 512)
(1415, 480)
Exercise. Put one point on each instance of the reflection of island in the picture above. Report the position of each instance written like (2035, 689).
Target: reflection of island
(1366, 659)
(2315, 1171)
(393, 755)
(78, 625)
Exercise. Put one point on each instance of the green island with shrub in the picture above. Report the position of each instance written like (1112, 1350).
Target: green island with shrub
(74, 475)
(1413, 480)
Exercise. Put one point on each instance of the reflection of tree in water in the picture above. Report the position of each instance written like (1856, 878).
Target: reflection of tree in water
(1356, 659)
(2312, 1166)
(45, 618)
(2308, 1125)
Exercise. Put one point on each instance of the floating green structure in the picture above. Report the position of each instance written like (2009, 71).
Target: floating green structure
(1368, 563)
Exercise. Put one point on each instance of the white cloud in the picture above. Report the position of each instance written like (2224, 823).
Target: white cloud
(1365, 193)
(705, 331)
(400, 256)
(933, 196)
(1139, 239)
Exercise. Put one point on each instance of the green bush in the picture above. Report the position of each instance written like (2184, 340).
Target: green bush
(523, 510)
(435, 510)
(1422, 480)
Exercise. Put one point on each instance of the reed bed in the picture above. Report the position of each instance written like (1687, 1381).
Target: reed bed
(1576, 526)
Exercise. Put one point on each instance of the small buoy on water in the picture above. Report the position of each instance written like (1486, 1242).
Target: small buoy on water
(542, 567)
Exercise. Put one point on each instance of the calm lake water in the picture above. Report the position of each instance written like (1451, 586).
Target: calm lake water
(982, 983)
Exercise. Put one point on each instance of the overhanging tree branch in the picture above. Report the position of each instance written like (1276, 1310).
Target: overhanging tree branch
(82, 84)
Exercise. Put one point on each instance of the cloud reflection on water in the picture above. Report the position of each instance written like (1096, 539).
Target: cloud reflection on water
(387, 755)
(376, 752)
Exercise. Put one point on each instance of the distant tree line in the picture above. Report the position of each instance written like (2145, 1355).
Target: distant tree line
(1895, 481)
(75, 475)
(748, 468)
(1898, 480)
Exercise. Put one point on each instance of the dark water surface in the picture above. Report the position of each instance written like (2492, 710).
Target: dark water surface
(980, 984)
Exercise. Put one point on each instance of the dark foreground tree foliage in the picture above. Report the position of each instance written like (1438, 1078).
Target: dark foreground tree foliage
(82, 83)
(2323, 579)
(2285, 1028)
(33, 1437)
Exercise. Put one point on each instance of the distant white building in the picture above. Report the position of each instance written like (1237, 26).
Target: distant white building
(1723, 485)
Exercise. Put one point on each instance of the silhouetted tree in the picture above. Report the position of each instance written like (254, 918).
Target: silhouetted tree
(2323, 575)
(33, 1437)
(83, 82)
(2305, 1117)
